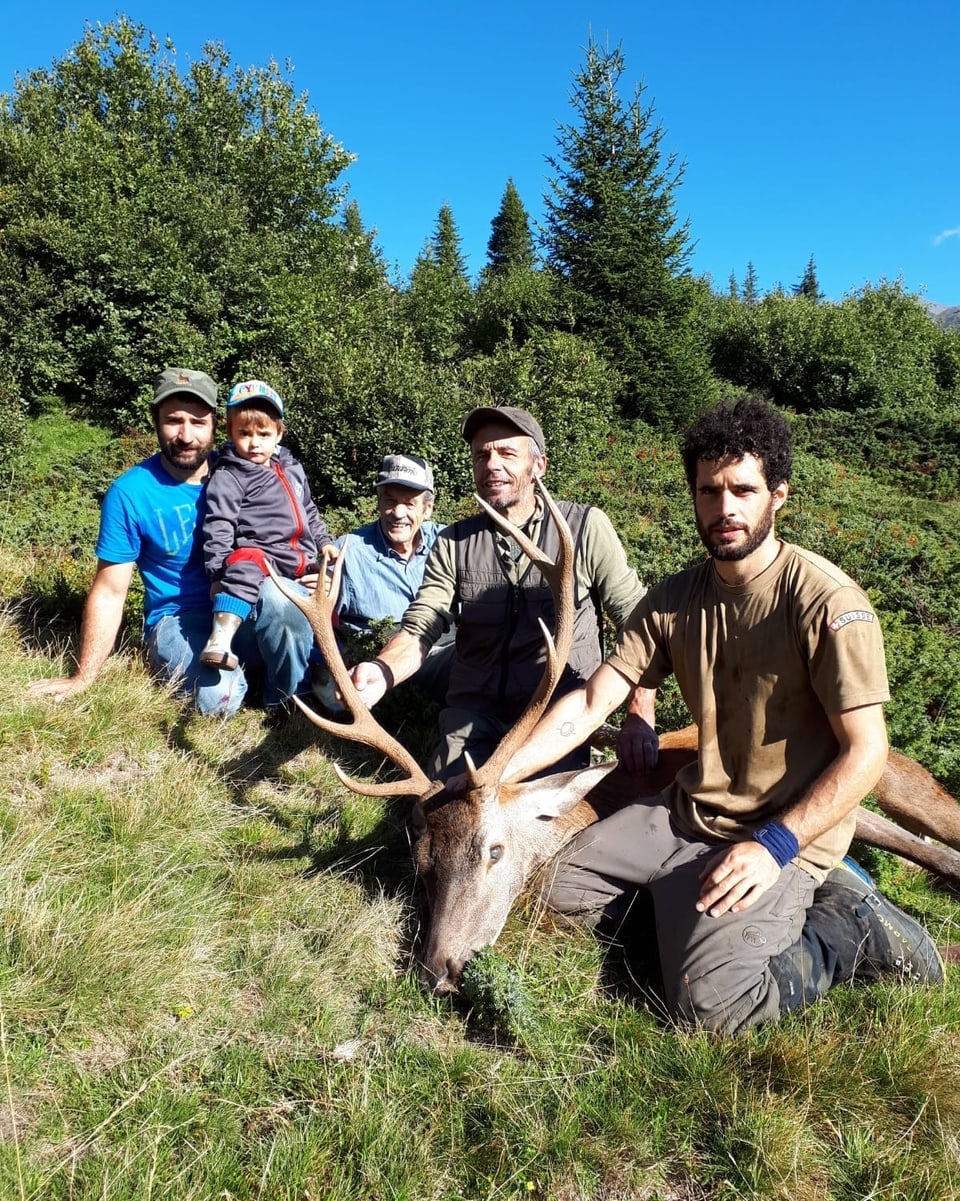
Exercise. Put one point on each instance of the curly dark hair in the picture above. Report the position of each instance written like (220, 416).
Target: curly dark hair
(752, 426)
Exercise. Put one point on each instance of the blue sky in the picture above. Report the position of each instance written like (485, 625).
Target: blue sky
(823, 127)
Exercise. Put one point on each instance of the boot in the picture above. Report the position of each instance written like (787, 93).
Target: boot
(852, 932)
(217, 652)
(323, 690)
(873, 938)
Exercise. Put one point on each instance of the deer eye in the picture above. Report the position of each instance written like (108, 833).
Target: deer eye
(496, 852)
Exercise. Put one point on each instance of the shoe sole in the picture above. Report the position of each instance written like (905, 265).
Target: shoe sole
(221, 659)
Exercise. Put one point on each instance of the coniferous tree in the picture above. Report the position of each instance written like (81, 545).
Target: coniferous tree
(733, 288)
(364, 259)
(437, 303)
(511, 243)
(513, 297)
(613, 238)
(809, 285)
(750, 293)
(447, 243)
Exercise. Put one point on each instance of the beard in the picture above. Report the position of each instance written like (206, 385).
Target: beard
(503, 495)
(184, 458)
(734, 552)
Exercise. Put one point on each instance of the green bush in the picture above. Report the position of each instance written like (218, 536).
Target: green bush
(12, 417)
(916, 449)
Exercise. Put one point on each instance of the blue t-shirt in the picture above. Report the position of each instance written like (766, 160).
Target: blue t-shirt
(153, 520)
(376, 581)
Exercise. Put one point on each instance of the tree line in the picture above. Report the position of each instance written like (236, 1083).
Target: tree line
(152, 215)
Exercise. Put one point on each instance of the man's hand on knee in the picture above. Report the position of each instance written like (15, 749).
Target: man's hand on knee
(736, 877)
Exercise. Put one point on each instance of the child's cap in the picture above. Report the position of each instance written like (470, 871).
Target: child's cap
(254, 389)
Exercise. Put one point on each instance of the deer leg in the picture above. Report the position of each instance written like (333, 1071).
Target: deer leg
(910, 795)
(877, 831)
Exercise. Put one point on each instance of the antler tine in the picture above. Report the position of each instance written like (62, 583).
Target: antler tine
(559, 576)
(363, 728)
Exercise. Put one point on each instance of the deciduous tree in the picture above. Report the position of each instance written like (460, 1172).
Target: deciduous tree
(148, 212)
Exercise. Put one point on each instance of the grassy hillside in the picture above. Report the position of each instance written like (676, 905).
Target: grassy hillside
(205, 985)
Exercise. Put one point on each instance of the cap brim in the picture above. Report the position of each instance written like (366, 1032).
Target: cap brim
(183, 391)
(406, 482)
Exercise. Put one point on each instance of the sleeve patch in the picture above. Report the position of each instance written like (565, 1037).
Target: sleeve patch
(852, 615)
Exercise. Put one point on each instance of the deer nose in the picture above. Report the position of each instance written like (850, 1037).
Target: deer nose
(440, 982)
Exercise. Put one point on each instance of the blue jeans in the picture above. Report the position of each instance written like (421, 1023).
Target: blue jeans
(276, 637)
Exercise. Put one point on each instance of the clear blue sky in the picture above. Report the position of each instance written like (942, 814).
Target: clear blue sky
(823, 127)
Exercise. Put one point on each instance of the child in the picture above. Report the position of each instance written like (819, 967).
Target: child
(258, 507)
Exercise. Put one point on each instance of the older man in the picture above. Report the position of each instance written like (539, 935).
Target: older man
(151, 519)
(383, 567)
(477, 577)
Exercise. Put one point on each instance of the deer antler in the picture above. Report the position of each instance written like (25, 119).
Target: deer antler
(559, 575)
(364, 728)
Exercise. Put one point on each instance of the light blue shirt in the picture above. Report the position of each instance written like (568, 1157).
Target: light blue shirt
(376, 581)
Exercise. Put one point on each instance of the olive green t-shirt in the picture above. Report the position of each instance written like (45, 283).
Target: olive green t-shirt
(761, 666)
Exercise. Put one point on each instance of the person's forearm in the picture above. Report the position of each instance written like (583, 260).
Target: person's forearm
(643, 703)
(565, 725)
(102, 616)
(568, 723)
(402, 655)
(835, 793)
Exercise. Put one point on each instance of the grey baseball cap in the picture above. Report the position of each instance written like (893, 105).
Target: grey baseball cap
(409, 470)
(178, 380)
(524, 422)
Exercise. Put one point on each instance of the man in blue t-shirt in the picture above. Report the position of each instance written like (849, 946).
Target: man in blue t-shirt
(151, 518)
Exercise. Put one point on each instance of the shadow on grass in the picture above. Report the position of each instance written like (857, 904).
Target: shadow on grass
(44, 625)
(380, 861)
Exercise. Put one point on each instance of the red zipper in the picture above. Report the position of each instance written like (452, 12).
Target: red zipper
(291, 496)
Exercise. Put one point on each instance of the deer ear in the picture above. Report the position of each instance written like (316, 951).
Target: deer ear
(557, 795)
(418, 820)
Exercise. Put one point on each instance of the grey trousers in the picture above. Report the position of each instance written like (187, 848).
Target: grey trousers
(716, 970)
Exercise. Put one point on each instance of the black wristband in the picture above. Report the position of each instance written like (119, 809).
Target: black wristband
(387, 673)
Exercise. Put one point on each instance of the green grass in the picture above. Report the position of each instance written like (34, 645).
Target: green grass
(206, 990)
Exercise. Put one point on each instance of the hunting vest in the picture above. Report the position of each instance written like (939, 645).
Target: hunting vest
(500, 651)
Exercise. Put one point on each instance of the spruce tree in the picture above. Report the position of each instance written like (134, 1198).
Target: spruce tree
(750, 293)
(511, 243)
(613, 237)
(446, 243)
(437, 303)
(808, 284)
(364, 263)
